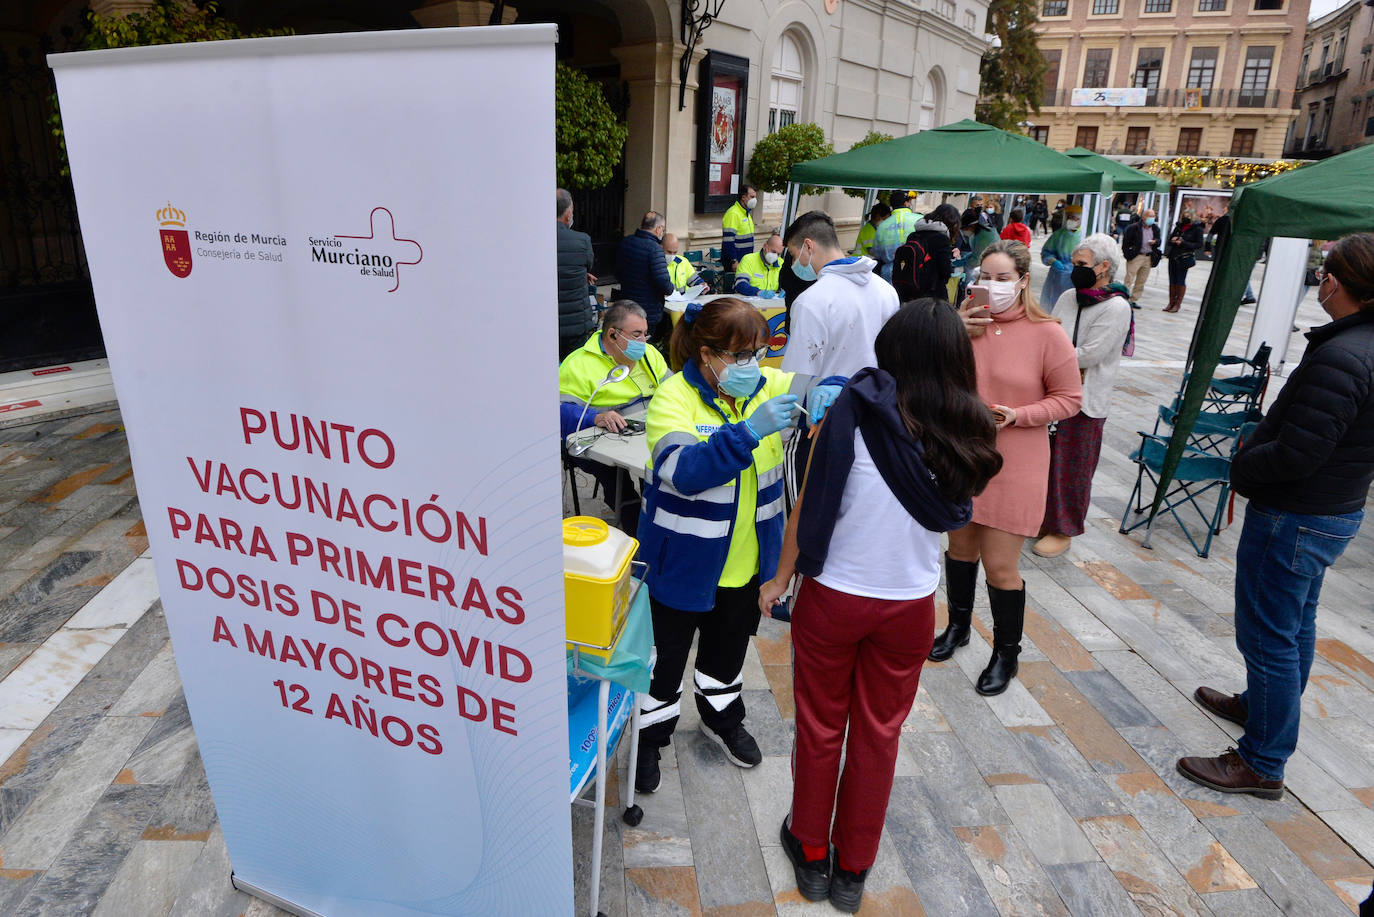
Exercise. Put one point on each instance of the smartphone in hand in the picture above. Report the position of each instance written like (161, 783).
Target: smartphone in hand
(979, 295)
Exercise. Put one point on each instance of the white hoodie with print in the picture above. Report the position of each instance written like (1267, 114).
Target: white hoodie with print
(834, 323)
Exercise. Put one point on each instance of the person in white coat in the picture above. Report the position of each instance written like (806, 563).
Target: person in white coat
(1097, 315)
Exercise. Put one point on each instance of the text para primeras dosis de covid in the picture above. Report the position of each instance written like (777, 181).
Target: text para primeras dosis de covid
(279, 603)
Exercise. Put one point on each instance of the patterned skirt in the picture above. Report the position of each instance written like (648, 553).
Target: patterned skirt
(1074, 451)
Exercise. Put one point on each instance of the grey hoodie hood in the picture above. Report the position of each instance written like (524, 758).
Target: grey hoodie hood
(930, 226)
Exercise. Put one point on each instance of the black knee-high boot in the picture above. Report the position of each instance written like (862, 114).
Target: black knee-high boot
(1008, 619)
(960, 578)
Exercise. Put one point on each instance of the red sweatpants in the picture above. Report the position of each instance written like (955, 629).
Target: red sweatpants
(856, 662)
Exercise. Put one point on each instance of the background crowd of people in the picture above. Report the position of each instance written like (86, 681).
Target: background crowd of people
(927, 394)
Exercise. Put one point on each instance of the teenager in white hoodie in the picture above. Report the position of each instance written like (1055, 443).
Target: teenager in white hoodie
(832, 326)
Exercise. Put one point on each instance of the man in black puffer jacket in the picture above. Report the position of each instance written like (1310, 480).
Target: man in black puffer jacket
(1306, 471)
(642, 270)
(575, 322)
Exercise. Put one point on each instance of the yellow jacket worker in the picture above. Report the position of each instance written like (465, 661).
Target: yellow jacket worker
(713, 517)
(758, 272)
(737, 228)
(681, 272)
(622, 340)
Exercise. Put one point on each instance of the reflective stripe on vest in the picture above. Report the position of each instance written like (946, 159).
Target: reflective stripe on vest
(686, 525)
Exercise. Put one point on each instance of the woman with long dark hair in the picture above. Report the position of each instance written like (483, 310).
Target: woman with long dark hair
(713, 517)
(897, 461)
(1028, 375)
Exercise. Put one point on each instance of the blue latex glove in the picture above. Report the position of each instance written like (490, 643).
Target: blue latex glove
(1063, 266)
(773, 415)
(766, 294)
(820, 400)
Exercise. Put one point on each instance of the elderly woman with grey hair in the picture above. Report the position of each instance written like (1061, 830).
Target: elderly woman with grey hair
(1097, 315)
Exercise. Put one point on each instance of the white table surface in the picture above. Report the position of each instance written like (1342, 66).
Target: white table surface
(619, 450)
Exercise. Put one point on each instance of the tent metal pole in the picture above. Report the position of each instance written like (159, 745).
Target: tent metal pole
(789, 209)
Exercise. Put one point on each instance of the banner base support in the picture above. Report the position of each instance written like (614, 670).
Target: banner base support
(299, 910)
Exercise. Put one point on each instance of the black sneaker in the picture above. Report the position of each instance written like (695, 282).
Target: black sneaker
(739, 746)
(647, 775)
(847, 889)
(813, 876)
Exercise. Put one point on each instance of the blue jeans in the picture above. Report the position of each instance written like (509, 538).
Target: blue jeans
(1280, 562)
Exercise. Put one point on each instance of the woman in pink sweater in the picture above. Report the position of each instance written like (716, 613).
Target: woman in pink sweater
(1028, 375)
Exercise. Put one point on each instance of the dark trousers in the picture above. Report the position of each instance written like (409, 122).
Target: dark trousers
(661, 332)
(856, 664)
(1178, 272)
(1075, 448)
(613, 481)
(719, 677)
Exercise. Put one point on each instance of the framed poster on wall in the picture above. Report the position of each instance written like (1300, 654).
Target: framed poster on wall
(722, 93)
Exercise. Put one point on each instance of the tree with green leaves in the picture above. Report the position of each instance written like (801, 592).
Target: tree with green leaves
(166, 22)
(868, 139)
(1013, 69)
(774, 156)
(589, 138)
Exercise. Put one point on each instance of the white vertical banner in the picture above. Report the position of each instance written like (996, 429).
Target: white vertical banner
(325, 273)
(1279, 295)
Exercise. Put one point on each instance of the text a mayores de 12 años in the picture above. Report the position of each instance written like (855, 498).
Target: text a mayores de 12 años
(204, 238)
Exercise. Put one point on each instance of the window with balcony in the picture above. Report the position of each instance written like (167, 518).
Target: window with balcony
(1202, 70)
(1086, 138)
(1055, 8)
(1106, 7)
(1243, 142)
(1254, 80)
(1148, 63)
(1211, 6)
(786, 84)
(1097, 68)
(1189, 140)
(1159, 6)
(1137, 141)
(1052, 57)
(1302, 68)
(1040, 135)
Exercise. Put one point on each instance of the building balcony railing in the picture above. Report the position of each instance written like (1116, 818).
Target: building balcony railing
(1331, 70)
(1186, 98)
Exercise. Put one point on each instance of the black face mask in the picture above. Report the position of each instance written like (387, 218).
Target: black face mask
(1083, 277)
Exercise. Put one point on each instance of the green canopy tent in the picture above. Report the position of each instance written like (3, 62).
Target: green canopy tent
(1124, 178)
(1325, 200)
(964, 156)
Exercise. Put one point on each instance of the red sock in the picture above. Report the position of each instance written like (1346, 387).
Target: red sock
(815, 851)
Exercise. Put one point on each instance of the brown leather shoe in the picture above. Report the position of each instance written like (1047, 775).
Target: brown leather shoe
(1228, 773)
(1227, 706)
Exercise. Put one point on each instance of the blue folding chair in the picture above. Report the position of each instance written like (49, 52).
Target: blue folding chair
(1201, 475)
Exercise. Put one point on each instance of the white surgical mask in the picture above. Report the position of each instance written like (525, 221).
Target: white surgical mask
(771, 258)
(1072, 224)
(1002, 294)
(753, 202)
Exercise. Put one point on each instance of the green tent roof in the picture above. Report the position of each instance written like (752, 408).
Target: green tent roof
(964, 156)
(1325, 200)
(1124, 178)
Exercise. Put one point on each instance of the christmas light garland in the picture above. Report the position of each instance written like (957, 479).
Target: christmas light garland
(1228, 172)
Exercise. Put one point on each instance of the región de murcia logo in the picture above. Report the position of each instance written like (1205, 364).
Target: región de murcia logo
(176, 244)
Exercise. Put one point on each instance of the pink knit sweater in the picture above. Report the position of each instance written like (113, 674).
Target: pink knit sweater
(1032, 368)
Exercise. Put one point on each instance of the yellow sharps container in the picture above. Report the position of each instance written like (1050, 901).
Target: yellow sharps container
(596, 582)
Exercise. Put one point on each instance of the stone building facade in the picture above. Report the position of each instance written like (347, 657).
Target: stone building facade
(1335, 102)
(1218, 75)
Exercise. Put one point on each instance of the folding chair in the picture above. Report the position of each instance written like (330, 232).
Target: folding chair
(1200, 476)
(693, 257)
(1213, 431)
(1244, 390)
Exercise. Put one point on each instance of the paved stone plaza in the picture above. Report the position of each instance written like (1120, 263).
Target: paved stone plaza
(1058, 797)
